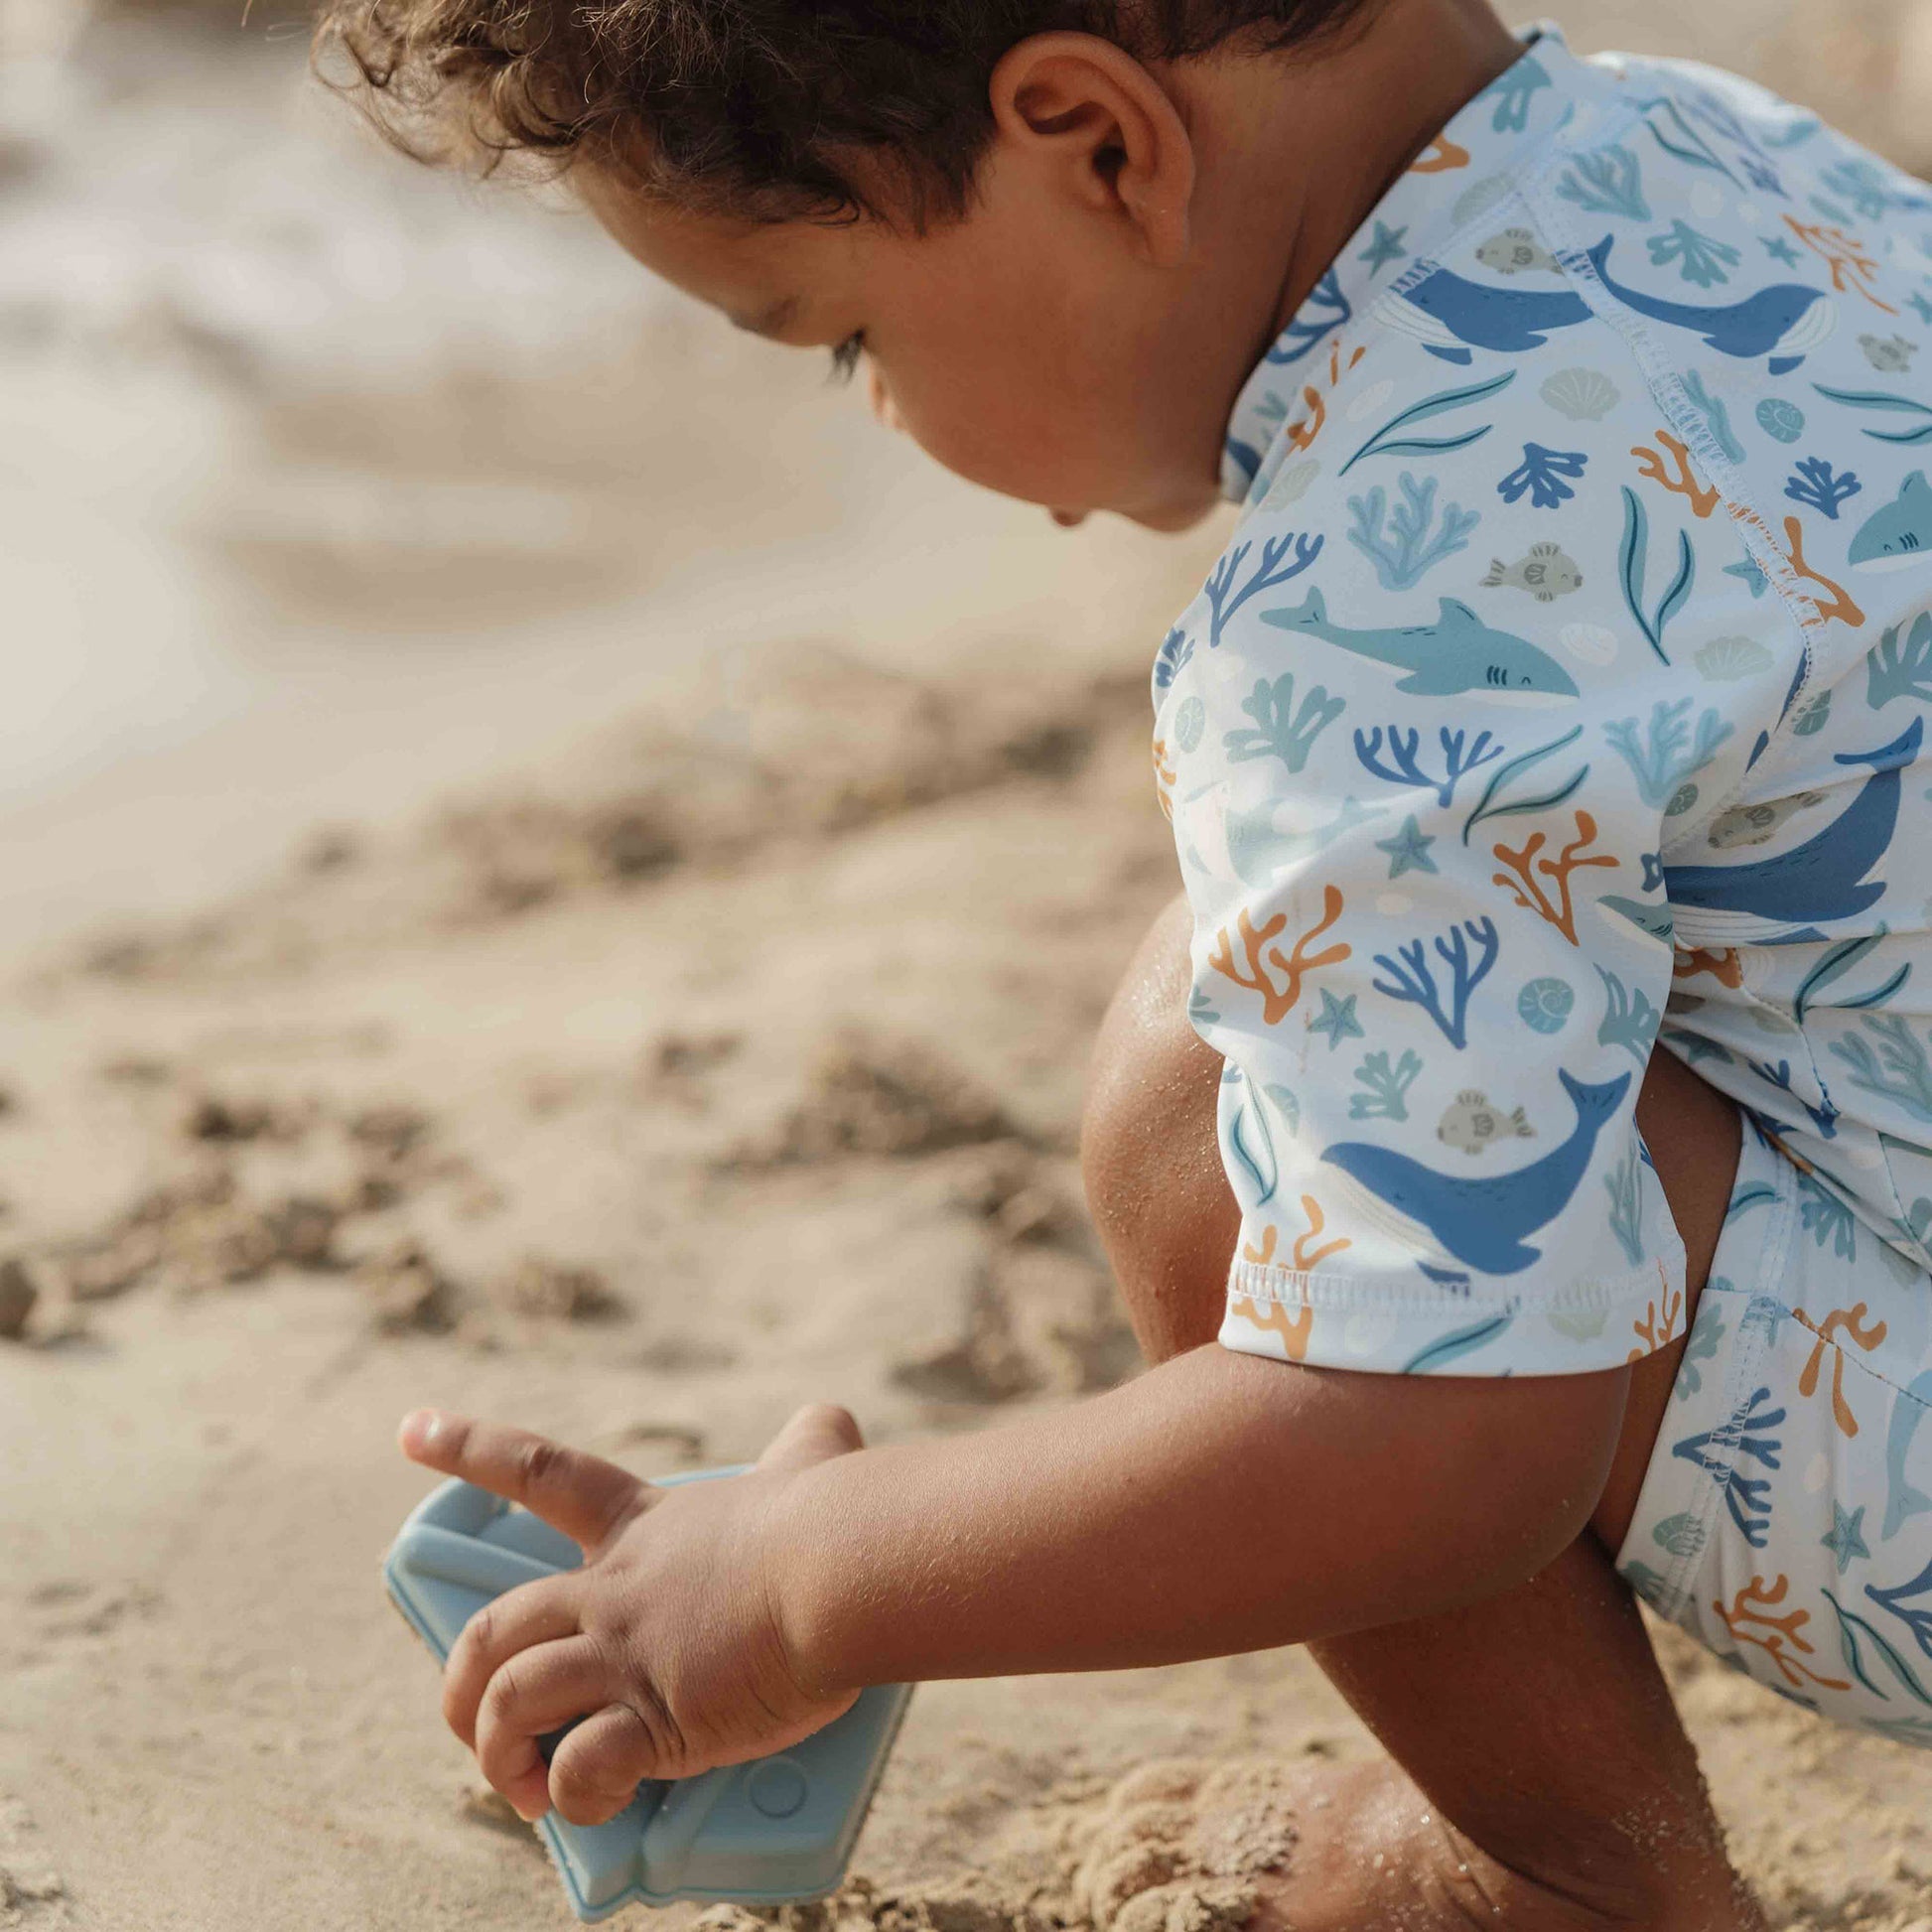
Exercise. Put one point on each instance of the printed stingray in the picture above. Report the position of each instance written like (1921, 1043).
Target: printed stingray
(768, 1832)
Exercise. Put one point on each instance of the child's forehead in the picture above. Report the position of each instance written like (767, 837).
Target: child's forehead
(758, 274)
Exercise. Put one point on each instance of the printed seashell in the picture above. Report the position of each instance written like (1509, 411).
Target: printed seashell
(1189, 722)
(1589, 643)
(1812, 716)
(1479, 197)
(1291, 483)
(1584, 396)
(1682, 1535)
(1545, 1006)
(1683, 800)
(1579, 1325)
(1371, 402)
(1783, 421)
(1723, 661)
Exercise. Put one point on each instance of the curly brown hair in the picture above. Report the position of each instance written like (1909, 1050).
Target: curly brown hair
(756, 108)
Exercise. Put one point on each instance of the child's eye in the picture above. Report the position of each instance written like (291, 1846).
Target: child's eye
(845, 358)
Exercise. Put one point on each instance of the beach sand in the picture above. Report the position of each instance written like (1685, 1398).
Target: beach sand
(633, 1044)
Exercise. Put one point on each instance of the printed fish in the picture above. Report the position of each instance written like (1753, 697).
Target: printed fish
(1483, 1222)
(1758, 824)
(1902, 1500)
(1901, 534)
(1817, 881)
(1546, 572)
(1888, 355)
(1516, 251)
(1458, 653)
(1474, 1125)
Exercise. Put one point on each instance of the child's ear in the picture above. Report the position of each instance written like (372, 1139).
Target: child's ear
(1108, 127)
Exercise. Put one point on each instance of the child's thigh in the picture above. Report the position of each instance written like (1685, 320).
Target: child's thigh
(1786, 1514)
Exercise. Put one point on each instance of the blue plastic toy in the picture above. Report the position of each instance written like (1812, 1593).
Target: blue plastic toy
(767, 1833)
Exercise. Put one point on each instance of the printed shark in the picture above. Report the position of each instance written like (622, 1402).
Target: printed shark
(1482, 1221)
(1785, 320)
(1909, 1410)
(1901, 534)
(1819, 879)
(1458, 653)
(1451, 315)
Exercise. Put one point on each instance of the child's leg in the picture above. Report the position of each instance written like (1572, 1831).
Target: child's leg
(1538, 1726)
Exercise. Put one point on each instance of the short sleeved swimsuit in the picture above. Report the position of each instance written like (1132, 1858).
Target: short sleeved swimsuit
(1562, 689)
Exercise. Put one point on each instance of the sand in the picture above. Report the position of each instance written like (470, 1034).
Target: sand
(668, 1003)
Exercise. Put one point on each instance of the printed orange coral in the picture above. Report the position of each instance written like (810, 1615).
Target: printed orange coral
(1526, 866)
(1852, 265)
(1679, 480)
(1848, 1321)
(1264, 960)
(1271, 1319)
(1748, 1609)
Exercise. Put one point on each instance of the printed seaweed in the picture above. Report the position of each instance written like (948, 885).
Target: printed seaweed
(1495, 803)
(1624, 1185)
(1896, 671)
(1325, 310)
(1608, 182)
(1876, 399)
(1666, 753)
(1541, 475)
(1404, 748)
(1279, 729)
(1819, 487)
(1275, 570)
(1633, 561)
(1410, 546)
(1388, 1087)
(1850, 1629)
(1717, 416)
(1898, 1071)
(1387, 442)
(1826, 1218)
(1413, 980)
(1840, 961)
(1630, 1020)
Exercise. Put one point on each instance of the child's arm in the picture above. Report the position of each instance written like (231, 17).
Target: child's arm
(1217, 1504)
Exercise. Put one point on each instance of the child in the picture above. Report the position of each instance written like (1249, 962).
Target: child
(1568, 665)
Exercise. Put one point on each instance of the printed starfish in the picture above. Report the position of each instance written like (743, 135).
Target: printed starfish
(1385, 248)
(1337, 1019)
(1748, 573)
(1783, 251)
(1847, 1537)
(1408, 850)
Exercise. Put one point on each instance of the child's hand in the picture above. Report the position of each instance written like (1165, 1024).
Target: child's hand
(668, 1643)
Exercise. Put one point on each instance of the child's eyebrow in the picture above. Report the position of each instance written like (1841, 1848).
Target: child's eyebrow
(769, 320)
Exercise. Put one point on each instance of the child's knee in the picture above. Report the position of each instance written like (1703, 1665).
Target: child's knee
(1153, 1170)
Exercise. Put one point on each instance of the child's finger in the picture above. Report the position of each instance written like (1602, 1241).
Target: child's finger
(582, 1496)
(596, 1771)
(536, 1692)
(519, 1619)
(815, 1433)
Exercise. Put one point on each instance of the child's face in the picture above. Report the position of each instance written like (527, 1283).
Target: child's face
(1030, 346)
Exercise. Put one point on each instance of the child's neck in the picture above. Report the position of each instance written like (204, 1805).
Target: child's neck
(1315, 143)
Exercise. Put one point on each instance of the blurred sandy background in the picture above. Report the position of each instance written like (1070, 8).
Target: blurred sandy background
(553, 869)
